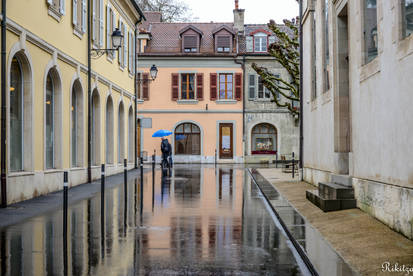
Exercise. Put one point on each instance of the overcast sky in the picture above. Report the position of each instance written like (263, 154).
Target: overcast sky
(256, 11)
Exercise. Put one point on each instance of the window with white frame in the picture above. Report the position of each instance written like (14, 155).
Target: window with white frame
(97, 23)
(407, 17)
(263, 92)
(251, 87)
(110, 27)
(187, 87)
(260, 42)
(226, 86)
(131, 48)
(257, 90)
(79, 16)
(56, 8)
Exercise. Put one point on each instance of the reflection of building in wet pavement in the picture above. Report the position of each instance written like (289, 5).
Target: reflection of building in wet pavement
(189, 224)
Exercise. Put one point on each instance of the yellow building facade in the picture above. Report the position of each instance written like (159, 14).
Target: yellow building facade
(47, 92)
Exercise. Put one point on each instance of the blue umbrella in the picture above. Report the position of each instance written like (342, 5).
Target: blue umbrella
(180, 137)
(161, 133)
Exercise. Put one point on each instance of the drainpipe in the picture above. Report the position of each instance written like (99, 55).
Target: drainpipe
(89, 104)
(3, 108)
(135, 86)
(301, 91)
(242, 63)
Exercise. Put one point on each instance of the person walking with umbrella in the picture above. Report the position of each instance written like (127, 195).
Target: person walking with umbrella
(166, 148)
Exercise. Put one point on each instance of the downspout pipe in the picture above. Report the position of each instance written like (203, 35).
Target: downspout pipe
(242, 63)
(3, 108)
(301, 92)
(135, 86)
(89, 100)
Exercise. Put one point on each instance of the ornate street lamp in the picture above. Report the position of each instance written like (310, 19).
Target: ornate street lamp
(154, 72)
(117, 39)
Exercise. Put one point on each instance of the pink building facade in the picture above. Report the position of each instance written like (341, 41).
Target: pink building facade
(197, 94)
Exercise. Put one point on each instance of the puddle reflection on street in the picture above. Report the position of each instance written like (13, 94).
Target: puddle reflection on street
(201, 221)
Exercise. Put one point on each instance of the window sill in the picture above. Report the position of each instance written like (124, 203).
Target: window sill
(50, 171)
(140, 101)
(370, 69)
(262, 100)
(313, 104)
(130, 75)
(326, 97)
(74, 169)
(187, 101)
(55, 14)
(78, 33)
(226, 101)
(22, 173)
(405, 47)
(121, 68)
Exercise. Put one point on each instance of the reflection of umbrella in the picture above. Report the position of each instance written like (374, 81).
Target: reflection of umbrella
(180, 137)
(161, 133)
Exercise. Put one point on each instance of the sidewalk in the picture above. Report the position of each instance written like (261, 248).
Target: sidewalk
(362, 241)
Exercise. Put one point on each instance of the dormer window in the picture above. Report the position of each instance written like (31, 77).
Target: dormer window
(223, 36)
(260, 42)
(191, 39)
(223, 44)
(190, 43)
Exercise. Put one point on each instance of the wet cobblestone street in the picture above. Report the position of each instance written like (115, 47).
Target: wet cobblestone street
(200, 221)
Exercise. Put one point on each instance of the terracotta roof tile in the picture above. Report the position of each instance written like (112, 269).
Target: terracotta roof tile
(166, 38)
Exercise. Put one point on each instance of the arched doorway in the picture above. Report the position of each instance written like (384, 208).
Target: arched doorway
(264, 139)
(187, 139)
(109, 131)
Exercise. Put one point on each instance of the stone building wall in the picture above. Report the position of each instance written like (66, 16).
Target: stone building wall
(264, 111)
(361, 126)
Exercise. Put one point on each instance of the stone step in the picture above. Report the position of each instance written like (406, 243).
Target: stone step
(335, 191)
(341, 179)
(328, 205)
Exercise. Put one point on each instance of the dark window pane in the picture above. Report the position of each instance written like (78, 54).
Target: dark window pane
(16, 116)
(370, 30)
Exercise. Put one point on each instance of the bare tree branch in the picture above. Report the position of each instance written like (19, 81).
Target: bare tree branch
(171, 10)
(286, 52)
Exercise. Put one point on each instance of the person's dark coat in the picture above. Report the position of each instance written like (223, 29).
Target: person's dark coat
(166, 148)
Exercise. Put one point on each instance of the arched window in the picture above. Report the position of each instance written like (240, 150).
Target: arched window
(121, 133)
(187, 139)
(20, 117)
(53, 120)
(109, 131)
(50, 118)
(16, 116)
(95, 128)
(77, 124)
(264, 139)
(131, 132)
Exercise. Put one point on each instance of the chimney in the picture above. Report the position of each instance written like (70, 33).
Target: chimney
(238, 18)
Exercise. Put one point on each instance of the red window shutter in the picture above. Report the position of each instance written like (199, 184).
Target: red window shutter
(175, 87)
(200, 86)
(145, 87)
(238, 86)
(213, 86)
